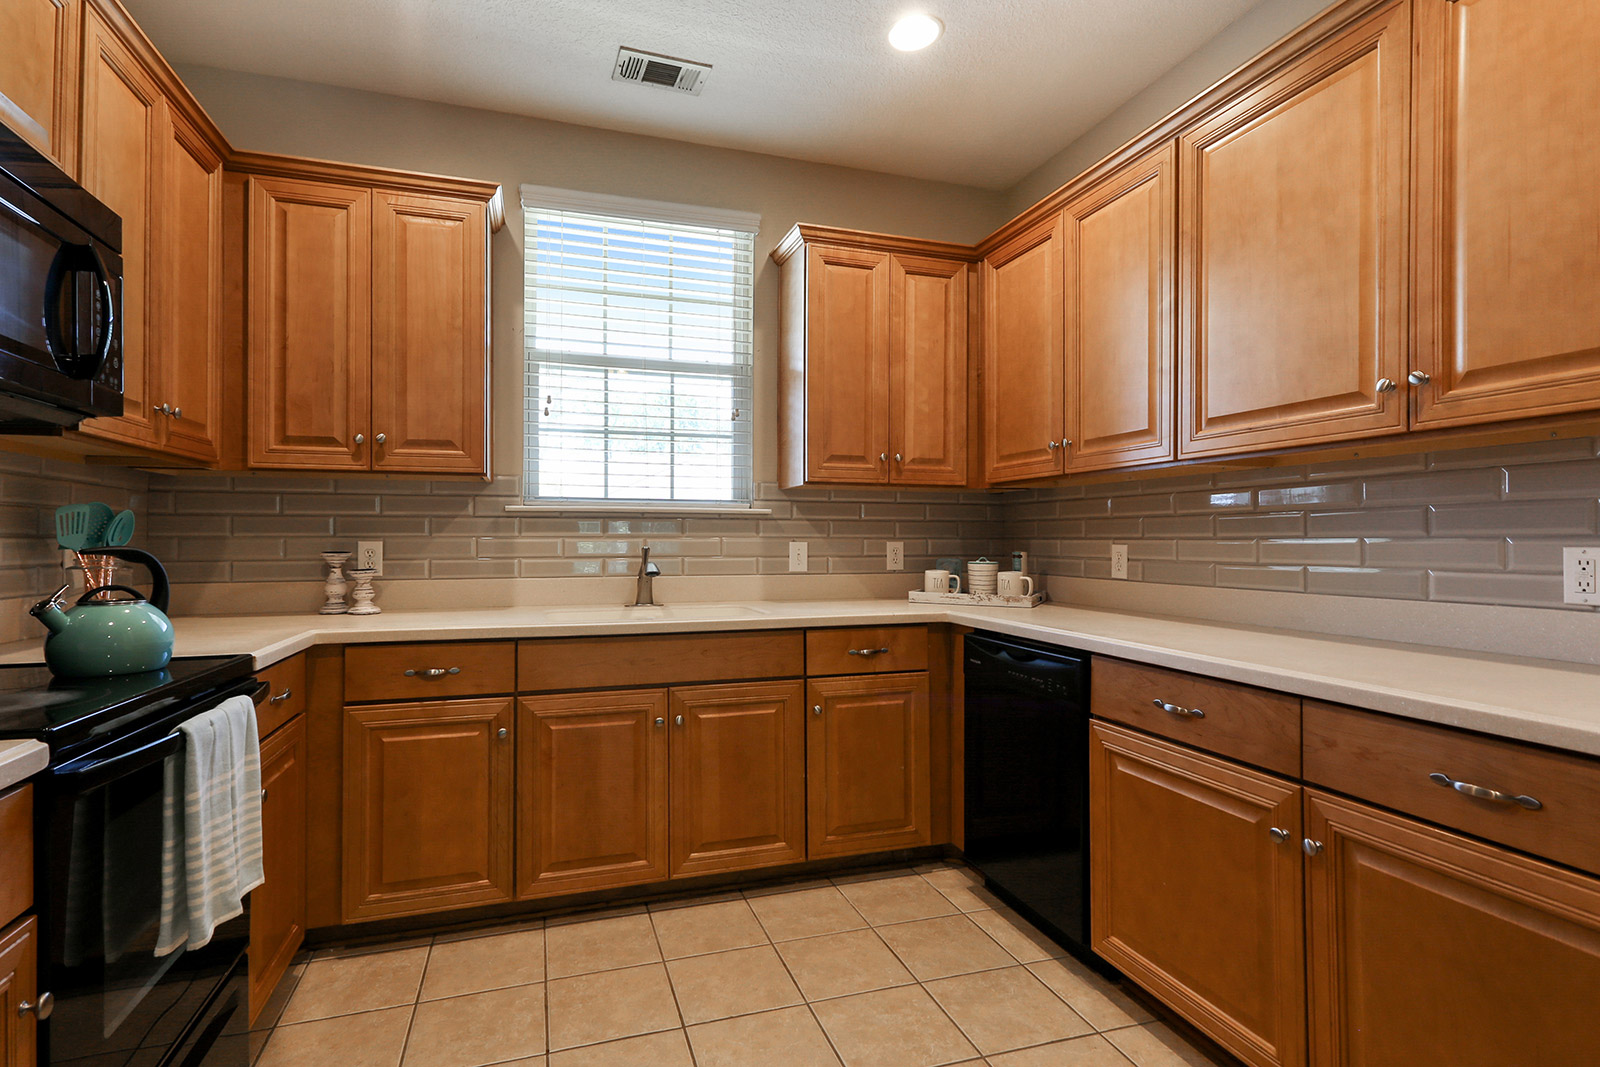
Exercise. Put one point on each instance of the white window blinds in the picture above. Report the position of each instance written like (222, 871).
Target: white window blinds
(638, 351)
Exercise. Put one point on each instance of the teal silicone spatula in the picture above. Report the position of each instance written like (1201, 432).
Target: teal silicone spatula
(120, 532)
(82, 527)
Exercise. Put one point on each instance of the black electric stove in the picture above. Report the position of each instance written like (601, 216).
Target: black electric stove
(98, 843)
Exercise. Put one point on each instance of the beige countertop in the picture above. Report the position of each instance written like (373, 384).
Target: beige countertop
(1542, 701)
(21, 759)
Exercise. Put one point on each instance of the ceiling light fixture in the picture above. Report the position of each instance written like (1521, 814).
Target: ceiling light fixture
(915, 32)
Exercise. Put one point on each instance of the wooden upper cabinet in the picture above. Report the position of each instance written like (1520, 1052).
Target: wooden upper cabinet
(591, 791)
(927, 370)
(1194, 896)
(1508, 209)
(187, 370)
(868, 781)
(1293, 250)
(846, 366)
(124, 133)
(278, 906)
(309, 328)
(427, 806)
(19, 985)
(1428, 947)
(39, 84)
(430, 334)
(737, 773)
(1121, 321)
(1023, 322)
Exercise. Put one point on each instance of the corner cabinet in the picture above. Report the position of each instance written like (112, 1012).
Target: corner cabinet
(874, 370)
(1024, 396)
(367, 321)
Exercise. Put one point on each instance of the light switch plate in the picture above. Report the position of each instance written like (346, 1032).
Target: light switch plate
(1579, 577)
(797, 556)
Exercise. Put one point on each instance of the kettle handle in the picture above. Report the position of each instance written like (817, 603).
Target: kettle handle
(159, 587)
(97, 590)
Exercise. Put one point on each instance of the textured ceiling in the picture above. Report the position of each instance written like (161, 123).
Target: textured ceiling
(1009, 84)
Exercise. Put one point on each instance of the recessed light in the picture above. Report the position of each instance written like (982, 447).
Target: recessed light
(915, 32)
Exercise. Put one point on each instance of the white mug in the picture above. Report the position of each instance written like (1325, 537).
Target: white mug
(935, 581)
(1014, 583)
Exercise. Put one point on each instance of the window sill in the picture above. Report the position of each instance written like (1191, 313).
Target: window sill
(634, 509)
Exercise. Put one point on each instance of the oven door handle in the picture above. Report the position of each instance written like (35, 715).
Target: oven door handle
(98, 772)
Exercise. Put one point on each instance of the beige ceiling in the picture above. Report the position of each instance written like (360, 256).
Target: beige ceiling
(1010, 83)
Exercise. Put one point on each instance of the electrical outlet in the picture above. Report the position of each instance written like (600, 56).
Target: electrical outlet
(797, 556)
(897, 555)
(1119, 561)
(369, 554)
(1580, 582)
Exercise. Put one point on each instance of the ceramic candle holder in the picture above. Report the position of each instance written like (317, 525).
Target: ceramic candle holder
(335, 585)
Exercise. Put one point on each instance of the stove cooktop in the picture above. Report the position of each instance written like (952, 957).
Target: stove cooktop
(60, 711)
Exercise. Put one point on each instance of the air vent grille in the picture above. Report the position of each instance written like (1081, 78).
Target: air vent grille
(661, 72)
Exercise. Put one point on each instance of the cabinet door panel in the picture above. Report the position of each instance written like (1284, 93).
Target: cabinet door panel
(737, 771)
(1294, 251)
(928, 371)
(1121, 241)
(19, 984)
(39, 56)
(1428, 947)
(592, 798)
(430, 334)
(310, 289)
(278, 905)
(124, 118)
(867, 771)
(1508, 207)
(1023, 323)
(846, 365)
(189, 296)
(1192, 897)
(427, 807)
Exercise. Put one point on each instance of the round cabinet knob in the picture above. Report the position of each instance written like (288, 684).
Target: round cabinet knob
(816, 709)
(41, 1007)
(502, 733)
(1066, 444)
(177, 413)
(263, 794)
(883, 457)
(1051, 445)
(1386, 385)
(1311, 847)
(1278, 836)
(381, 438)
(361, 439)
(897, 458)
(1418, 377)
(660, 721)
(678, 720)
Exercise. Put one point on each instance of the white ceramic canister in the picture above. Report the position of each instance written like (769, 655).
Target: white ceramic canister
(981, 575)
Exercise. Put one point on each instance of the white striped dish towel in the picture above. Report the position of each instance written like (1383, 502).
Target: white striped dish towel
(211, 824)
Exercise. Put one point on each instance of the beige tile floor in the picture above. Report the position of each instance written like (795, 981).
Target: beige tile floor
(907, 968)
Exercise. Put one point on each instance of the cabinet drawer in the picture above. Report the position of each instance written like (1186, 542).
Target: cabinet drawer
(429, 670)
(1388, 761)
(1253, 725)
(286, 694)
(658, 660)
(16, 854)
(866, 650)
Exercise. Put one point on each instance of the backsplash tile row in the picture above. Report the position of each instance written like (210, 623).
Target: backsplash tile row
(246, 528)
(1479, 526)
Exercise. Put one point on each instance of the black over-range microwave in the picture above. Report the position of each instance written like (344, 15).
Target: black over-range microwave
(60, 297)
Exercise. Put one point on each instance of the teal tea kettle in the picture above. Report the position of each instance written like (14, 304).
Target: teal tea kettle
(97, 638)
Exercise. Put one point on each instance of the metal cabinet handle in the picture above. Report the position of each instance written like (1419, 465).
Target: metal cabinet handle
(1311, 847)
(1278, 836)
(816, 709)
(660, 721)
(1419, 377)
(868, 651)
(432, 672)
(381, 438)
(1484, 793)
(1051, 445)
(883, 457)
(177, 413)
(1066, 444)
(1386, 385)
(361, 439)
(678, 720)
(281, 697)
(263, 793)
(40, 1008)
(898, 458)
(502, 733)
(1178, 710)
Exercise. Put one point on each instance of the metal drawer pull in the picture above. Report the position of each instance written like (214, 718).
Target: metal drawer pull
(433, 672)
(1311, 847)
(281, 697)
(1278, 836)
(1179, 711)
(42, 1007)
(1482, 793)
(868, 651)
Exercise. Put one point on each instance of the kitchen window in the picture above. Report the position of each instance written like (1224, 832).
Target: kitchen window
(638, 351)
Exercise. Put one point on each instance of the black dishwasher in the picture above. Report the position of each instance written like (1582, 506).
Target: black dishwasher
(1027, 780)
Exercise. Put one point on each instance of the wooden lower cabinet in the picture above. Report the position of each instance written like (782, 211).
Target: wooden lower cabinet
(1194, 896)
(427, 806)
(592, 793)
(278, 905)
(1428, 947)
(737, 774)
(19, 985)
(867, 764)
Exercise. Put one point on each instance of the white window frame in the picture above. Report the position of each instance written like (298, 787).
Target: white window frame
(740, 372)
